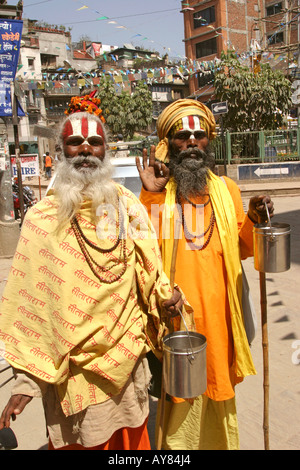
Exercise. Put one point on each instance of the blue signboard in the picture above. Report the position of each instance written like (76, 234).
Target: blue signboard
(269, 170)
(10, 39)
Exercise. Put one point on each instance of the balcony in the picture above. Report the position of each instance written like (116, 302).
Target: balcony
(63, 90)
(56, 113)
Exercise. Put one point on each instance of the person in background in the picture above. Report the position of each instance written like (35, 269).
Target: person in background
(48, 162)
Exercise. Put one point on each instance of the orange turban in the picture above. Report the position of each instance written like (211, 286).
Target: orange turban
(86, 103)
(176, 111)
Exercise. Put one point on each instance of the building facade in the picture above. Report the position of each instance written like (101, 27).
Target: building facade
(263, 28)
(213, 26)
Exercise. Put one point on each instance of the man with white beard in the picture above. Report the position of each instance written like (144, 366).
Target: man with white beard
(86, 300)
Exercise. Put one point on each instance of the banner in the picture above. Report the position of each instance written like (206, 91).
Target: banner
(97, 49)
(29, 165)
(10, 39)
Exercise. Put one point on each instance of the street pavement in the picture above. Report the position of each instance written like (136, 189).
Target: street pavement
(283, 301)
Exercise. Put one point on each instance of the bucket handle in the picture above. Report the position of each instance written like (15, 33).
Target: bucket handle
(269, 220)
(191, 356)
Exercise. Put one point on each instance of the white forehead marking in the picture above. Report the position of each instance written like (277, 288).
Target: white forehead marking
(77, 127)
(196, 122)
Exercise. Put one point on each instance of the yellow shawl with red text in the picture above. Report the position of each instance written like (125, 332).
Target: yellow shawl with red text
(62, 325)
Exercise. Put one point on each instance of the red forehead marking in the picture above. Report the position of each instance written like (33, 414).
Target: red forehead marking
(85, 127)
(191, 122)
(68, 130)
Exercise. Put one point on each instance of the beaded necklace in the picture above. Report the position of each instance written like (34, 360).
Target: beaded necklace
(210, 228)
(82, 241)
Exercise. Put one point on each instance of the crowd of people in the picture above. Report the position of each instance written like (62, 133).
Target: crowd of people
(89, 296)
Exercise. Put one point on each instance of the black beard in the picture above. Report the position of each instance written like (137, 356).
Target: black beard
(190, 172)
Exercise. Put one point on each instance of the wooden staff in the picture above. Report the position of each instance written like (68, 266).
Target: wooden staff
(265, 348)
(172, 277)
(174, 253)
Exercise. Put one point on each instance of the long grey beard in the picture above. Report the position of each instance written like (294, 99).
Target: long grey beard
(73, 186)
(190, 173)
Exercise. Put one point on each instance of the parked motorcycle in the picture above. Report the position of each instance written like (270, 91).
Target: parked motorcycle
(28, 197)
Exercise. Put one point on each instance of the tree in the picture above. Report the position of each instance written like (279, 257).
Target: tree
(110, 105)
(124, 113)
(141, 108)
(256, 101)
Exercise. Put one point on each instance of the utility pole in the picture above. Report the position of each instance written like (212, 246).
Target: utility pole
(17, 148)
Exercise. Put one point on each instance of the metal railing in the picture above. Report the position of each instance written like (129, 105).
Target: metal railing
(239, 147)
(258, 146)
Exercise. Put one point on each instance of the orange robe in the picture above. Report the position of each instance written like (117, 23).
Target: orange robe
(202, 276)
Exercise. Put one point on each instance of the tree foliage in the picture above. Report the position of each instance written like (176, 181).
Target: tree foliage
(256, 101)
(125, 113)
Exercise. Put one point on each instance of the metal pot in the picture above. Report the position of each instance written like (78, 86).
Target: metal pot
(272, 247)
(184, 364)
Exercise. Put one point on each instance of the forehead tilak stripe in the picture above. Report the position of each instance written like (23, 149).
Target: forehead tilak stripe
(192, 111)
(83, 127)
(188, 123)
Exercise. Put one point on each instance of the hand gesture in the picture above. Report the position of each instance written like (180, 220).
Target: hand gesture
(154, 175)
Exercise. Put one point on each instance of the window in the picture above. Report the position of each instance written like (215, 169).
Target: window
(204, 17)
(31, 63)
(32, 98)
(48, 60)
(275, 38)
(33, 119)
(274, 9)
(161, 89)
(205, 48)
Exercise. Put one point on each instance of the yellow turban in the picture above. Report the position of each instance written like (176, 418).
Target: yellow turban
(176, 111)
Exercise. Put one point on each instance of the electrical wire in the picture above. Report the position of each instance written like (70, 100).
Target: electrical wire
(126, 16)
(109, 18)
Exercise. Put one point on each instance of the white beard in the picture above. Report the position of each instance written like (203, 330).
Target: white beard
(73, 186)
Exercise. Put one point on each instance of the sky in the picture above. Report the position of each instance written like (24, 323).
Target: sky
(154, 24)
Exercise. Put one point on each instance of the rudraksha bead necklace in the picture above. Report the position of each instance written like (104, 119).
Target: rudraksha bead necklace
(82, 240)
(210, 228)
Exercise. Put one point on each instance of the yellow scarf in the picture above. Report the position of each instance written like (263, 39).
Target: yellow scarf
(227, 226)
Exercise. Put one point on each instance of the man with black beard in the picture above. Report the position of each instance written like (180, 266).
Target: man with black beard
(85, 300)
(189, 169)
(179, 183)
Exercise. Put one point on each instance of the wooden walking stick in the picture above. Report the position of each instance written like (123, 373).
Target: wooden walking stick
(172, 277)
(265, 348)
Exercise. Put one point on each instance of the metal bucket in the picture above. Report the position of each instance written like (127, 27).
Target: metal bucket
(184, 364)
(271, 247)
